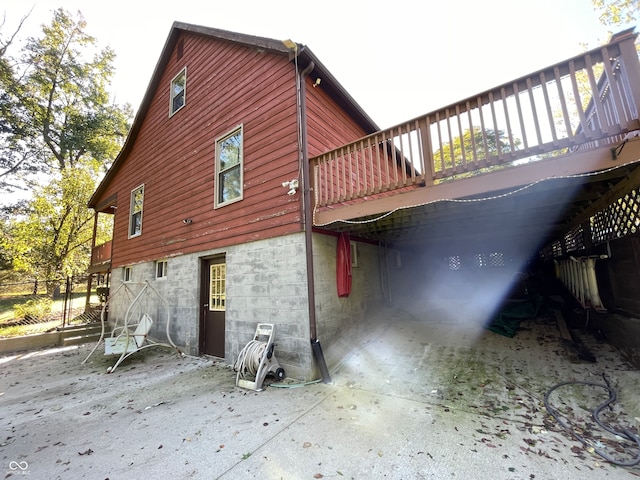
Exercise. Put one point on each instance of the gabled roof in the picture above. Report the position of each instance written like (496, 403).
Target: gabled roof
(305, 58)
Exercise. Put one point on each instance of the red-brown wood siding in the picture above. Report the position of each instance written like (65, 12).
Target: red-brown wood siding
(328, 126)
(227, 85)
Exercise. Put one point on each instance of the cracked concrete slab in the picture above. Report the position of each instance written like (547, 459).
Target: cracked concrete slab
(414, 399)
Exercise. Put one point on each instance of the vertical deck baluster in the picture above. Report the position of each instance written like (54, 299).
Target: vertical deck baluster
(523, 129)
(503, 98)
(403, 160)
(394, 159)
(547, 103)
(441, 160)
(378, 179)
(358, 152)
(368, 171)
(621, 83)
(484, 132)
(474, 147)
(323, 185)
(385, 150)
(342, 192)
(563, 104)
(452, 171)
(595, 96)
(576, 93)
(319, 184)
(349, 182)
(495, 127)
(534, 111)
(616, 104)
(333, 176)
(461, 133)
(414, 133)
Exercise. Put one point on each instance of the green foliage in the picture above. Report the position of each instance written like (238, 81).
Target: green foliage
(57, 122)
(52, 238)
(55, 110)
(35, 309)
(460, 150)
(617, 12)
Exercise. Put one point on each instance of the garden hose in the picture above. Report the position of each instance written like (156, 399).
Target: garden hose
(626, 434)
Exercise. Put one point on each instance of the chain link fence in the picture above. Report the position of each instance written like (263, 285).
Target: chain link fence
(27, 303)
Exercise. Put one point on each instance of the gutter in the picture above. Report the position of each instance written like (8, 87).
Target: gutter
(308, 222)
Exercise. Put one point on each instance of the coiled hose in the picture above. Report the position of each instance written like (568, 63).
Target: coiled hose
(249, 358)
(627, 434)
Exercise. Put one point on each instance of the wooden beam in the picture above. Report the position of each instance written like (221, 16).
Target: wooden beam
(623, 187)
(579, 163)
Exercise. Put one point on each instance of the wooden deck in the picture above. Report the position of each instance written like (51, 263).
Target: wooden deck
(563, 122)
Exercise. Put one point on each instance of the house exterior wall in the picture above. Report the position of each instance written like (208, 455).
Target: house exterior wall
(227, 85)
(266, 283)
(328, 126)
(340, 320)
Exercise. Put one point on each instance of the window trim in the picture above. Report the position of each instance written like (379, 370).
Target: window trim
(127, 274)
(161, 264)
(219, 140)
(131, 212)
(173, 95)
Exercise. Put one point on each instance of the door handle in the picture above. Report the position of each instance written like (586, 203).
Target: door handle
(205, 305)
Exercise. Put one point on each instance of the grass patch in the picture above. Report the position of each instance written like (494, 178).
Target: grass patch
(8, 314)
(22, 330)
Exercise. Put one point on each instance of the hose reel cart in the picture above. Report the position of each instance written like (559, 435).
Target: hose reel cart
(257, 360)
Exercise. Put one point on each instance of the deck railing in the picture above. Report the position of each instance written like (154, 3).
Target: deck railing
(101, 254)
(584, 102)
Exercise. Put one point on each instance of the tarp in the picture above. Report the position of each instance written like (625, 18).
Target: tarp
(508, 319)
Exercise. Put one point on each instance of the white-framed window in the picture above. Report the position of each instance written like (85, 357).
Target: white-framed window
(218, 287)
(161, 269)
(127, 274)
(135, 211)
(178, 93)
(228, 184)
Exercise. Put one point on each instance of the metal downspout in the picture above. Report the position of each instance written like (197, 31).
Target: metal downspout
(308, 227)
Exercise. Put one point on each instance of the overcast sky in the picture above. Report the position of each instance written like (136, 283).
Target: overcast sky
(398, 59)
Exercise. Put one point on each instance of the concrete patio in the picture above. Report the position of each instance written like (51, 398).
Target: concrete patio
(413, 399)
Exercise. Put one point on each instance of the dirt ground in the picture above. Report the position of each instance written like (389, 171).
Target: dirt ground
(415, 398)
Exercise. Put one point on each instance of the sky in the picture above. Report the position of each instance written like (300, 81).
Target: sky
(397, 59)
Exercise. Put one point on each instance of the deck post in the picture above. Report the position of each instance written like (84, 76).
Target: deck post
(629, 57)
(427, 152)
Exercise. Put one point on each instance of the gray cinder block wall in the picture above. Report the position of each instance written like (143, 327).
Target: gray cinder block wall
(266, 283)
(342, 321)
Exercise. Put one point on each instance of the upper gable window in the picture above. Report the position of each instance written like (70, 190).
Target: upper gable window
(228, 183)
(178, 91)
(135, 211)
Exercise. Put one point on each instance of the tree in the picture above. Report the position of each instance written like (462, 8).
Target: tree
(52, 237)
(617, 12)
(56, 110)
(14, 158)
(452, 152)
(57, 119)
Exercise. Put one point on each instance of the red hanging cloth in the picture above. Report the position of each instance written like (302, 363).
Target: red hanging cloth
(343, 265)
